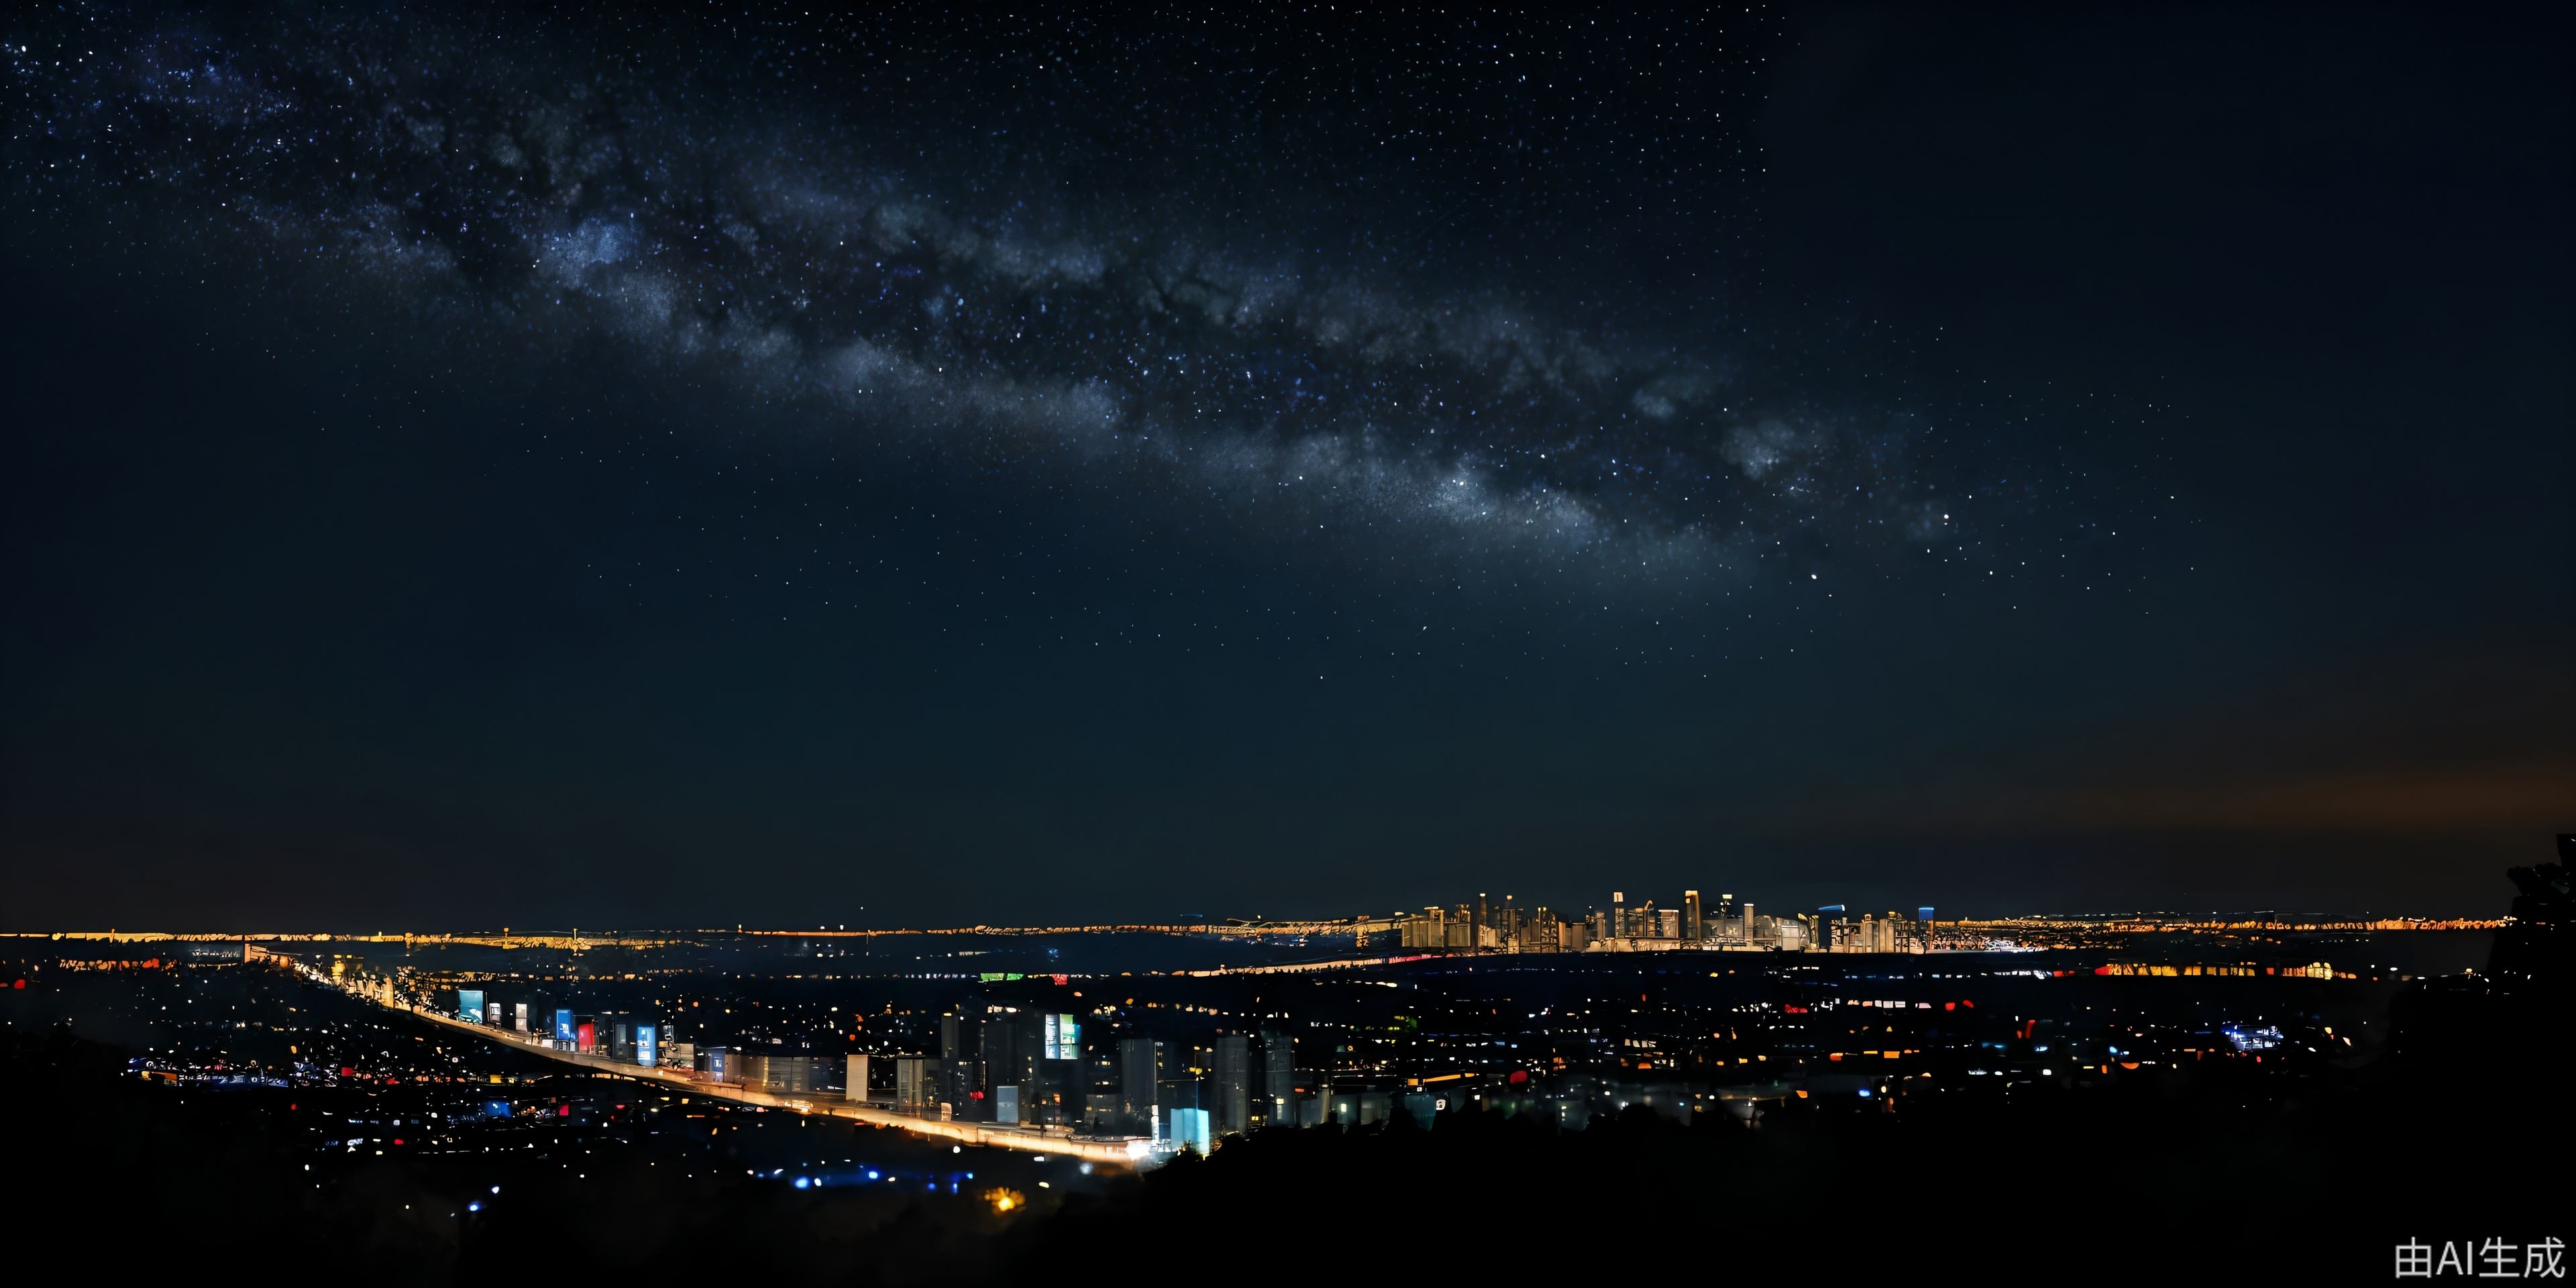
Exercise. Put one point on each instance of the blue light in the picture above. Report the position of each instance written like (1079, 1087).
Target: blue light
(1864, 1091)
(474, 1207)
(872, 1176)
(802, 1182)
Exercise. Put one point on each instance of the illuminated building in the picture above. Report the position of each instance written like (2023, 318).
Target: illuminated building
(1277, 1101)
(1140, 1072)
(1189, 1129)
(1231, 1107)
(915, 1084)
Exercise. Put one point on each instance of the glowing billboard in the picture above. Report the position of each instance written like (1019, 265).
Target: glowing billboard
(469, 1005)
(1063, 1038)
(648, 1045)
(563, 1026)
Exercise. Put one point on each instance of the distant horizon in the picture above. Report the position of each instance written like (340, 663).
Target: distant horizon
(2248, 916)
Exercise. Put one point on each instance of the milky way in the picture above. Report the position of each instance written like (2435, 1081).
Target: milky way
(809, 250)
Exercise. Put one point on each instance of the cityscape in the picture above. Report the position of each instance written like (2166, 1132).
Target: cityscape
(1029, 1076)
(926, 645)
(1128, 1067)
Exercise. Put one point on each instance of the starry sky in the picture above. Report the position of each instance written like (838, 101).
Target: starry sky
(730, 464)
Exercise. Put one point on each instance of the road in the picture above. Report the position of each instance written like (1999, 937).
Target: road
(1028, 1139)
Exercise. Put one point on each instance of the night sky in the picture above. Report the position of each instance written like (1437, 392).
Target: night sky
(946, 467)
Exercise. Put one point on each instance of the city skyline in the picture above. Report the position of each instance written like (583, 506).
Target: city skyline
(940, 644)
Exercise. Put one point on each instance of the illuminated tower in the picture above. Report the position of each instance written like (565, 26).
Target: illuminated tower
(1691, 928)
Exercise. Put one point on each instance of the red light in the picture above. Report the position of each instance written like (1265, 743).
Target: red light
(1519, 1076)
(975, 1095)
(563, 1111)
(20, 984)
(2103, 969)
(1949, 1006)
(1060, 980)
(347, 1072)
(1966, 1003)
(397, 1140)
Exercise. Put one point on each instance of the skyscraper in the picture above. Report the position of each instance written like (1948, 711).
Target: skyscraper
(998, 1036)
(915, 1088)
(1692, 930)
(1277, 1103)
(1140, 1068)
(1232, 1111)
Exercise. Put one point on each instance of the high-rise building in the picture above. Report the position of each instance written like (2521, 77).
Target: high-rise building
(1276, 1102)
(1540, 933)
(1618, 913)
(1190, 1128)
(1692, 930)
(1140, 1072)
(854, 1081)
(1028, 1063)
(1233, 1085)
(998, 1038)
(1429, 929)
(961, 1087)
(1175, 1096)
(915, 1083)
(1830, 933)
